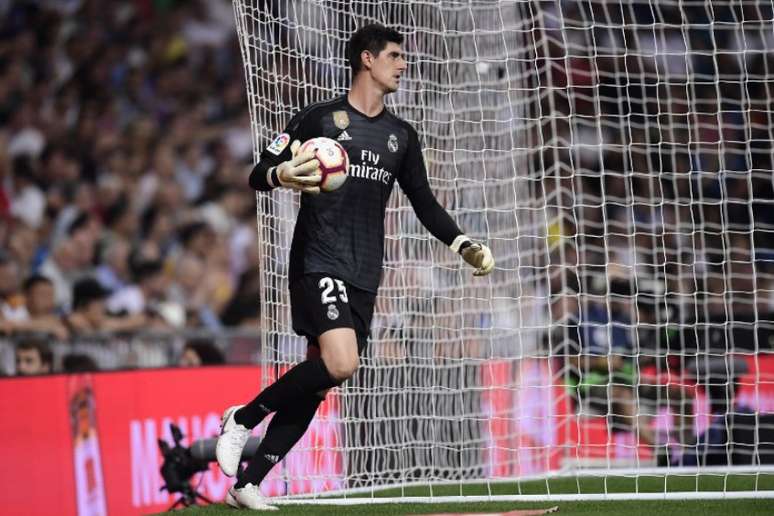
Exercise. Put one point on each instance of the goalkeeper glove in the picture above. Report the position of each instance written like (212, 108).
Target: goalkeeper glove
(476, 254)
(298, 173)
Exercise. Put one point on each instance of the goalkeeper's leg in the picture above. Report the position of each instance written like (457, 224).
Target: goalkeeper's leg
(293, 392)
(285, 430)
(337, 328)
(290, 423)
(337, 362)
(331, 323)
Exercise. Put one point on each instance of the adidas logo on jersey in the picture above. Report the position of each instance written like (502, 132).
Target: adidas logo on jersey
(344, 137)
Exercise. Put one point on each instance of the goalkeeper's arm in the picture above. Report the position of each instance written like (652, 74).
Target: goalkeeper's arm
(297, 173)
(413, 181)
(281, 165)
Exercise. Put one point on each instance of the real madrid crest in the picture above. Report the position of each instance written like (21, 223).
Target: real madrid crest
(392, 143)
(341, 119)
(333, 312)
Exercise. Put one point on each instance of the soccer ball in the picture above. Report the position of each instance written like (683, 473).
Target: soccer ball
(334, 161)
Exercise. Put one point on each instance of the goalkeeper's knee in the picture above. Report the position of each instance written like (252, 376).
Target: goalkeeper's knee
(342, 369)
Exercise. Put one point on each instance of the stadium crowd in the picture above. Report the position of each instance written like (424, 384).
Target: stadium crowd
(662, 246)
(124, 142)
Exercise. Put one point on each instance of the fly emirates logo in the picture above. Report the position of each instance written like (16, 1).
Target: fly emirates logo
(369, 168)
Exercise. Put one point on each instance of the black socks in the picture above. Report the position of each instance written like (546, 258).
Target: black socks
(285, 430)
(300, 382)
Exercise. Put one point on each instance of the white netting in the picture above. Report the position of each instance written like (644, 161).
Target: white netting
(617, 159)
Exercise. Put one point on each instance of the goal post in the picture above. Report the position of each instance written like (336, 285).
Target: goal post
(617, 158)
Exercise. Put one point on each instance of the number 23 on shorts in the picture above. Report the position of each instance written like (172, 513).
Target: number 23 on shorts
(327, 286)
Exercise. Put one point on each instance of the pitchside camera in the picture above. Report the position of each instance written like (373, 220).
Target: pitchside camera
(181, 463)
(178, 468)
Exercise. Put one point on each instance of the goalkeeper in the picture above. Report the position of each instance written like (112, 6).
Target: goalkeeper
(337, 249)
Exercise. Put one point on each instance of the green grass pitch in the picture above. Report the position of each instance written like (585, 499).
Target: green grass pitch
(652, 484)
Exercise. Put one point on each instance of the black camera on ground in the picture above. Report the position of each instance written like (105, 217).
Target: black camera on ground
(181, 464)
(178, 468)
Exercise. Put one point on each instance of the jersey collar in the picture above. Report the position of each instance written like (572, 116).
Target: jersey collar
(368, 118)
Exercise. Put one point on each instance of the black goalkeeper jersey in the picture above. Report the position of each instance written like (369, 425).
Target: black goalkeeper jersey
(342, 232)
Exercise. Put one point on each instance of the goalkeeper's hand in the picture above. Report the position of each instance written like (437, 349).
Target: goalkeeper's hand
(298, 173)
(478, 255)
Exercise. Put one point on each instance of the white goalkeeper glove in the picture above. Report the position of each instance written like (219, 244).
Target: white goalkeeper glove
(476, 254)
(298, 173)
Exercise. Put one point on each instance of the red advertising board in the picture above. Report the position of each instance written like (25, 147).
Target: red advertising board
(532, 426)
(134, 409)
(87, 444)
(37, 447)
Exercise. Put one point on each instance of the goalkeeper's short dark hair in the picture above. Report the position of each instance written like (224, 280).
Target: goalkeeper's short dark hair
(374, 38)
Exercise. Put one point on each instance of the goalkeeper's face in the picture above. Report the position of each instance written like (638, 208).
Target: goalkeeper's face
(388, 66)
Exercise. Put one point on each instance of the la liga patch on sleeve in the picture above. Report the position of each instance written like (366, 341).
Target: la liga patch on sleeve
(278, 145)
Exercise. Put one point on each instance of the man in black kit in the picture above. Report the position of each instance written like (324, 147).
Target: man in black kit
(337, 250)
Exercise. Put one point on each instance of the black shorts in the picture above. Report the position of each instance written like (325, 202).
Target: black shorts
(320, 302)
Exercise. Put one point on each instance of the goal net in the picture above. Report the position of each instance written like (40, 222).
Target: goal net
(617, 158)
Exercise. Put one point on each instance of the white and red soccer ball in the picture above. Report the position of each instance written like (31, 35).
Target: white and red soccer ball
(334, 161)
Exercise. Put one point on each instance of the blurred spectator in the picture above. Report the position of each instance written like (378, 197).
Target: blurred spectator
(200, 242)
(193, 291)
(148, 288)
(113, 272)
(605, 366)
(39, 296)
(33, 357)
(200, 352)
(23, 245)
(198, 239)
(42, 315)
(663, 379)
(157, 230)
(720, 377)
(225, 209)
(61, 267)
(244, 308)
(89, 314)
(12, 307)
(121, 223)
(78, 363)
(88, 311)
(84, 231)
(29, 201)
(616, 359)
